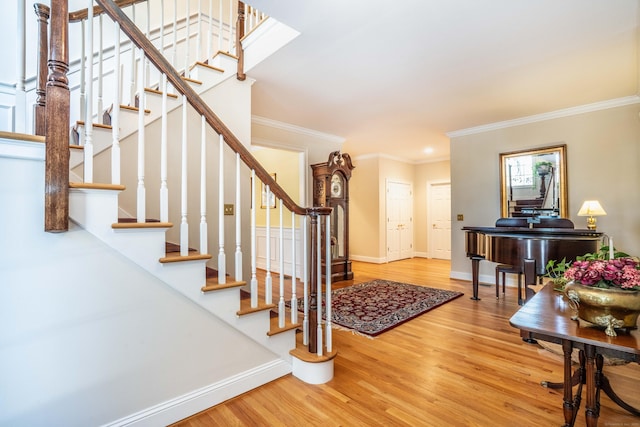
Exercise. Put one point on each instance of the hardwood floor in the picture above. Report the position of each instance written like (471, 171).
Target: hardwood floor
(461, 364)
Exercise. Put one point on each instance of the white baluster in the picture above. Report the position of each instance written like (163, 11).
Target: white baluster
(230, 26)
(184, 225)
(100, 109)
(148, 34)
(210, 30)
(305, 280)
(327, 284)
(132, 85)
(88, 121)
(174, 56)
(294, 297)
(142, 196)
(162, 27)
(83, 69)
(254, 279)
(186, 40)
(220, 28)
(199, 35)
(281, 311)
(21, 95)
(238, 221)
(204, 232)
(268, 281)
(222, 259)
(115, 111)
(319, 290)
(164, 190)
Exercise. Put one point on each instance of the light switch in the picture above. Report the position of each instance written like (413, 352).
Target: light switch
(228, 209)
(460, 217)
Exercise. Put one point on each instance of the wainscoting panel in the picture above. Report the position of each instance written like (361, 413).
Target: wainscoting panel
(261, 250)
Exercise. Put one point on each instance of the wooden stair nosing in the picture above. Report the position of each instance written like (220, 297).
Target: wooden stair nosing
(205, 65)
(194, 81)
(95, 125)
(245, 308)
(275, 329)
(302, 352)
(179, 258)
(135, 109)
(134, 225)
(158, 92)
(96, 186)
(213, 285)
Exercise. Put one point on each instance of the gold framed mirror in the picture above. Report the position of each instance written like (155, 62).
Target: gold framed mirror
(534, 182)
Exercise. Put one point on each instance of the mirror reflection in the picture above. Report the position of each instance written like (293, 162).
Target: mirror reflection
(533, 182)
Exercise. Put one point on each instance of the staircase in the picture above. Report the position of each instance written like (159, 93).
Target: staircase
(118, 165)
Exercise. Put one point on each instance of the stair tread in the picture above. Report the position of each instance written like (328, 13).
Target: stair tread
(288, 326)
(245, 307)
(212, 284)
(136, 109)
(205, 65)
(96, 186)
(176, 257)
(95, 125)
(133, 225)
(302, 352)
(159, 92)
(190, 80)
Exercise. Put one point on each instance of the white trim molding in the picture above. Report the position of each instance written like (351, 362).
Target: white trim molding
(572, 111)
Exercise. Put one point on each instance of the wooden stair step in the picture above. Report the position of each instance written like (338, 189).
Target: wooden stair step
(288, 326)
(95, 125)
(96, 186)
(194, 81)
(134, 109)
(176, 257)
(134, 225)
(301, 352)
(206, 65)
(159, 92)
(212, 285)
(245, 307)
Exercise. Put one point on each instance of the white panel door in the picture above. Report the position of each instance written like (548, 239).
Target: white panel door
(399, 206)
(440, 214)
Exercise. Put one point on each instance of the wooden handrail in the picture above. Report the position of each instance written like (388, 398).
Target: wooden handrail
(164, 66)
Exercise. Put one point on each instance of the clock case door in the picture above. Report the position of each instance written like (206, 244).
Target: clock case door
(331, 189)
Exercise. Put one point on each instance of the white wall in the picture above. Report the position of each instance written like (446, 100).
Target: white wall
(86, 336)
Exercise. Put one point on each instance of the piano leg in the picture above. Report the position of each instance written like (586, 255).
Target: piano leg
(475, 272)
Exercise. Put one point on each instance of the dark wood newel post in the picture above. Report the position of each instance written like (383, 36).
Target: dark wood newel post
(239, 35)
(57, 131)
(313, 283)
(42, 12)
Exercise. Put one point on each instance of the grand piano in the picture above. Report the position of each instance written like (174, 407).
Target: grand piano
(529, 243)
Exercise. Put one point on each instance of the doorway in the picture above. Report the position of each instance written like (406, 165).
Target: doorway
(439, 217)
(399, 207)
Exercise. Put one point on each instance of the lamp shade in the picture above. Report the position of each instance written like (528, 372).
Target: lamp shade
(591, 208)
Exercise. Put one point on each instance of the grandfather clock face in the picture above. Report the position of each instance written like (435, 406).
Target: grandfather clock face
(337, 186)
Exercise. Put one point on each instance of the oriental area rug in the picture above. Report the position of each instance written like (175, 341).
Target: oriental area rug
(372, 308)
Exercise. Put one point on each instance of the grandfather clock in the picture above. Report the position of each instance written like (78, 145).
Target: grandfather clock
(331, 188)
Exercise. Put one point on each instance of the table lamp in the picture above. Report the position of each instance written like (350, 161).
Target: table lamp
(591, 209)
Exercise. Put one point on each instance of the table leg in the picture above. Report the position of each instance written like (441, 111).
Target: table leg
(592, 410)
(570, 403)
(475, 273)
(602, 383)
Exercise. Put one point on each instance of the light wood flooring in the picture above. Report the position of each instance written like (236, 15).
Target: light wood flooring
(460, 364)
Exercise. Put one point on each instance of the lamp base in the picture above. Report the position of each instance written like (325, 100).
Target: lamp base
(591, 223)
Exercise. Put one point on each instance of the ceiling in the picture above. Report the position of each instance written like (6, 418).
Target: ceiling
(393, 78)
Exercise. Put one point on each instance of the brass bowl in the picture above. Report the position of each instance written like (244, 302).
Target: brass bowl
(610, 308)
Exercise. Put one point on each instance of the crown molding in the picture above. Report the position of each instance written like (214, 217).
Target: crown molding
(296, 129)
(572, 111)
(399, 159)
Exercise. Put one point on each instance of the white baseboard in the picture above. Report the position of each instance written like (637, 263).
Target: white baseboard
(372, 260)
(196, 401)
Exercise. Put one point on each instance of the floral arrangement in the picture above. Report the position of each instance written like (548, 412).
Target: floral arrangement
(598, 270)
